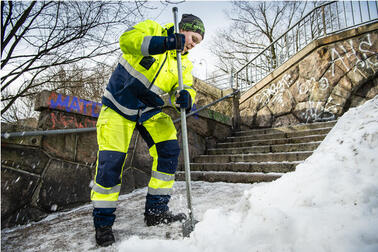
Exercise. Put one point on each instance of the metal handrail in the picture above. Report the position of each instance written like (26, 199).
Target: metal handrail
(322, 23)
(84, 130)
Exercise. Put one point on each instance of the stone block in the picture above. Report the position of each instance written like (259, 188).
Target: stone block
(285, 120)
(215, 115)
(22, 158)
(66, 103)
(293, 75)
(142, 159)
(26, 124)
(307, 112)
(128, 180)
(281, 103)
(17, 188)
(61, 146)
(373, 90)
(141, 178)
(301, 90)
(356, 101)
(339, 91)
(248, 116)
(264, 118)
(197, 144)
(334, 73)
(64, 185)
(86, 151)
(315, 64)
(345, 84)
(22, 216)
(209, 90)
(338, 98)
(34, 141)
(357, 78)
(52, 119)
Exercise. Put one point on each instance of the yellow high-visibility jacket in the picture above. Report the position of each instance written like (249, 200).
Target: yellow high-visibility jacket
(146, 71)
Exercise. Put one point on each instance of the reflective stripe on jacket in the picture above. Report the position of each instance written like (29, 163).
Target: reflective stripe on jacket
(141, 76)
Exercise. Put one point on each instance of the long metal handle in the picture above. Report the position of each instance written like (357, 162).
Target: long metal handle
(184, 128)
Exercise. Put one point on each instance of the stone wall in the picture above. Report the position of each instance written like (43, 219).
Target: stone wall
(206, 94)
(44, 174)
(320, 83)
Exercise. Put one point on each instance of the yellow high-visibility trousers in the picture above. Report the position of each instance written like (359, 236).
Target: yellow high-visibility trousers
(114, 134)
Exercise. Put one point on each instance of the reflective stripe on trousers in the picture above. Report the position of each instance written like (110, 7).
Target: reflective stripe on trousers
(114, 134)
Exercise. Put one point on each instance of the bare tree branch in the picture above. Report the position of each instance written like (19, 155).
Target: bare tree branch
(255, 25)
(40, 36)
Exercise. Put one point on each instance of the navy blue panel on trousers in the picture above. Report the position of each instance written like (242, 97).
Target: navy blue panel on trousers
(103, 217)
(168, 153)
(109, 168)
(156, 204)
(146, 135)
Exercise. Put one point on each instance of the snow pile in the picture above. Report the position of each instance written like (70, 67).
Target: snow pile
(330, 203)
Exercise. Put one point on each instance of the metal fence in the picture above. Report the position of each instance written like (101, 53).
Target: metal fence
(221, 80)
(324, 20)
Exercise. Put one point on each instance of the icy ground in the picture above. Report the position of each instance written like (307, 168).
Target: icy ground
(330, 203)
(74, 231)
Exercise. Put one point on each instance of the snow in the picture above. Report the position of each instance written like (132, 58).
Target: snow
(330, 203)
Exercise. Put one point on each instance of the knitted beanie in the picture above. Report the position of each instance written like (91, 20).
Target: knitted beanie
(190, 22)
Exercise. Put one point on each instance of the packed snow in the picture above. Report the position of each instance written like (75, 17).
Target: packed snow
(330, 203)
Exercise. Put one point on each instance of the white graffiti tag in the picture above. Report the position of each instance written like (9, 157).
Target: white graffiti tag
(352, 58)
(275, 91)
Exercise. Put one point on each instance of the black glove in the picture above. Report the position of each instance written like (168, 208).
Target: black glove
(175, 41)
(184, 100)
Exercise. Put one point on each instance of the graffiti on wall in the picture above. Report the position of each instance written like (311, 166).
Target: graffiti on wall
(357, 56)
(275, 91)
(74, 104)
(59, 121)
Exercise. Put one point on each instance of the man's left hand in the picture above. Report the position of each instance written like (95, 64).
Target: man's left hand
(184, 100)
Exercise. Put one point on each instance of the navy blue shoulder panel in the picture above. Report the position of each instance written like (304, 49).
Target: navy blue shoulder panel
(171, 30)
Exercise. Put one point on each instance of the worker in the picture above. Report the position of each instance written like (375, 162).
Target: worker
(146, 70)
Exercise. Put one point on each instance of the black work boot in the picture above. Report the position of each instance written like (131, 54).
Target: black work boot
(153, 219)
(104, 236)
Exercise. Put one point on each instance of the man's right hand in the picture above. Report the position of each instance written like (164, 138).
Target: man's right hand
(175, 41)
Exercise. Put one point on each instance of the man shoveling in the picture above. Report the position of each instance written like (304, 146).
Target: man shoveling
(146, 70)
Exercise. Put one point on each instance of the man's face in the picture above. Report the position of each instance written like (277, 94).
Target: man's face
(191, 40)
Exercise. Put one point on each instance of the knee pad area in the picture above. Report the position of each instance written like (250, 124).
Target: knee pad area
(168, 153)
(109, 168)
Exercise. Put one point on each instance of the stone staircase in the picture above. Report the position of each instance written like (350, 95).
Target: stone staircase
(259, 155)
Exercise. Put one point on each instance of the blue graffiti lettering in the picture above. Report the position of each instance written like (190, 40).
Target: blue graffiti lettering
(59, 102)
(94, 105)
(74, 105)
(85, 103)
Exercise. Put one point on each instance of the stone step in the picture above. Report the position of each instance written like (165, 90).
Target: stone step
(292, 128)
(261, 157)
(292, 140)
(264, 167)
(265, 148)
(229, 177)
(299, 133)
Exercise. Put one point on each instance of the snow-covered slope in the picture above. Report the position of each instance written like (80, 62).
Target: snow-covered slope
(330, 203)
